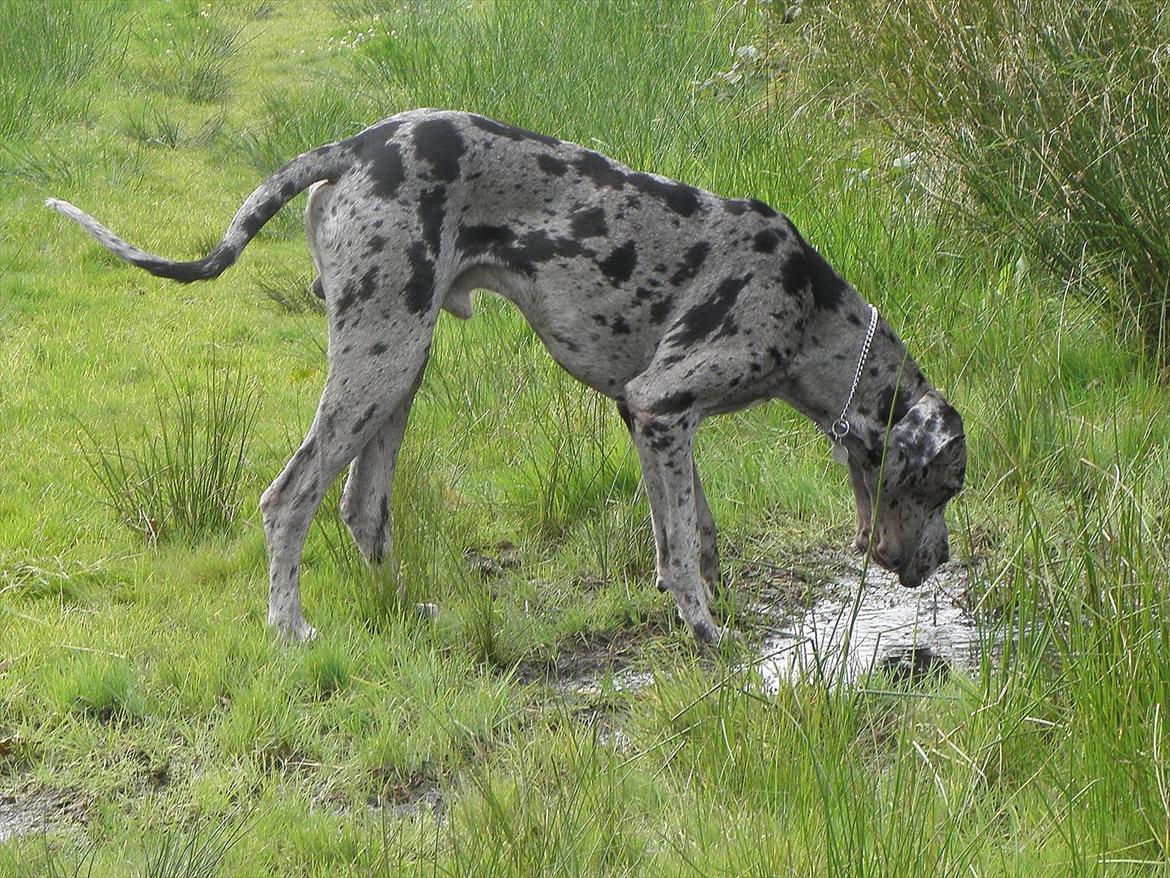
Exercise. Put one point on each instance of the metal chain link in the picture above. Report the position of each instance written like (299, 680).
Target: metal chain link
(840, 428)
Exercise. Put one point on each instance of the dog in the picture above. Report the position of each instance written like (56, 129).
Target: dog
(673, 301)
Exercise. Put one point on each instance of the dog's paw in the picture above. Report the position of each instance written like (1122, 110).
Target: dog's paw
(713, 635)
(294, 631)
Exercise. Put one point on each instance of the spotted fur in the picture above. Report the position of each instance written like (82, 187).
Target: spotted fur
(673, 301)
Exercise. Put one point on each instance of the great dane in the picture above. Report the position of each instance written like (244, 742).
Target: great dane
(673, 301)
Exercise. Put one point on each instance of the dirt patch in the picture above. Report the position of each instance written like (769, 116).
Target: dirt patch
(31, 810)
(409, 797)
(579, 662)
(493, 562)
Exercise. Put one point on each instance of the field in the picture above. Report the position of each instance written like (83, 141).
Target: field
(1003, 209)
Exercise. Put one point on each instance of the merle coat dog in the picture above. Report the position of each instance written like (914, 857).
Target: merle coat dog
(673, 301)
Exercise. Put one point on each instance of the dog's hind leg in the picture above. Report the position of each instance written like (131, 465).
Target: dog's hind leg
(365, 503)
(361, 396)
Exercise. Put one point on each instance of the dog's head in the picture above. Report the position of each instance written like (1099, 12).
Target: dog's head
(925, 461)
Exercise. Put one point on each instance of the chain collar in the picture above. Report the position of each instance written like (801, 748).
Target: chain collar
(840, 427)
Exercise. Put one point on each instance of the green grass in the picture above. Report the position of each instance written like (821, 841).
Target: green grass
(1052, 117)
(138, 681)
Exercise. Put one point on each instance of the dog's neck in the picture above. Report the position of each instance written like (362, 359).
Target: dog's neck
(818, 386)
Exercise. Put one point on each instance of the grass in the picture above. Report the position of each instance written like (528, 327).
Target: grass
(138, 682)
(1053, 118)
(184, 482)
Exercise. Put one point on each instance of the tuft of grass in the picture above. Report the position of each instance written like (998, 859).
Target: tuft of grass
(106, 690)
(180, 852)
(571, 466)
(197, 61)
(158, 126)
(49, 54)
(291, 291)
(181, 481)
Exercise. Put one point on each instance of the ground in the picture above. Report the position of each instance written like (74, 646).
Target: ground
(554, 718)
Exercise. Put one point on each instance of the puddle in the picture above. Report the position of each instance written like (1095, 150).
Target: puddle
(43, 811)
(813, 621)
(911, 634)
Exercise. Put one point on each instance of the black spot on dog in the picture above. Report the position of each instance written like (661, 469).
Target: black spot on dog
(767, 241)
(361, 422)
(711, 315)
(566, 341)
(288, 190)
(643, 293)
(431, 211)
(693, 260)
(599, 169)
(551, 165)
(679, 197)
(806, 269)
(761, 208)
(619, 326)
(262, 214)
(952, 422)
(619, 265)
(368, 284)
(523, 253)
(660, 310)
(588, 223)
(437, 142)
(536, 247)
(376, 349)
(386, 171)
(375, 244)
(479, 239)
(674, 403)
(600, 319)
(735, 206)
(420, 288)
(511, 132)
(371, 140)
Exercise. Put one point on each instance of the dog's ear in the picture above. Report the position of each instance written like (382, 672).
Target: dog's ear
(927, 449)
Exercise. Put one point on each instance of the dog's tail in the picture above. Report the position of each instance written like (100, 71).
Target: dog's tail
(324, 163)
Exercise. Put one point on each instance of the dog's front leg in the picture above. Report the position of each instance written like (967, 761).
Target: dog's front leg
(664, 449)
(708, 539)
(864, 507)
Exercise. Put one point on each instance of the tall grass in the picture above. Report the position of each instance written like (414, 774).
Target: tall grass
(482, 58)
(196, 62)
(1051, 758)
(51, 54)
(1054, 116)
(182, 481)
